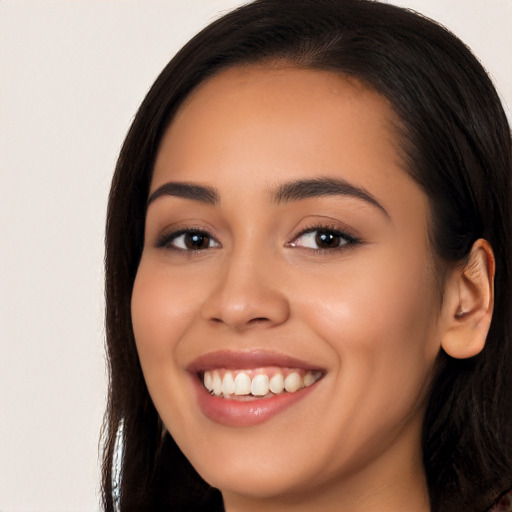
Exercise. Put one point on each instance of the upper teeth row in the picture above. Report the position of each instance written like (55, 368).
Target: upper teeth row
(241, 384)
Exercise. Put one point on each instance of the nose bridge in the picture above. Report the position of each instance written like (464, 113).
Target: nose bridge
(247, 291)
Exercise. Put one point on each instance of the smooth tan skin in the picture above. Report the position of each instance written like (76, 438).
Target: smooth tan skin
(369, 314)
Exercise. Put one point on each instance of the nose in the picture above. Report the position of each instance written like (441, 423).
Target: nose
(247, 293)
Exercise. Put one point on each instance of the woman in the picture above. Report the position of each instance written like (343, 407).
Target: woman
(308, 267)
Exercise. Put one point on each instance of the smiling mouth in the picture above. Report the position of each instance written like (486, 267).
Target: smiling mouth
(251, 384)
(248, 388)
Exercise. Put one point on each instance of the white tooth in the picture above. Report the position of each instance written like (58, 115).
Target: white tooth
(311, 378)
(228, 384)
(277, 383)
(242, 384)
(208, 382)
(259, 386)
(293, 382)
(217, 383)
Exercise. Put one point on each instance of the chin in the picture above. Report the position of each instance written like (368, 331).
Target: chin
(257, 484)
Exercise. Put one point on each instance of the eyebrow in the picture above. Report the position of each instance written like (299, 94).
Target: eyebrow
(323, 186)
(192, 191)
(287, 192)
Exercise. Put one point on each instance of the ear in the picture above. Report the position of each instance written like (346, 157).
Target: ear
(469, 302)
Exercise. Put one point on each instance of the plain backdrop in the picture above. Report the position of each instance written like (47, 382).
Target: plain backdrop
(72, 76)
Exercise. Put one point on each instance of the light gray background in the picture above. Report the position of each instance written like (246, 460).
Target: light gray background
(73, 74)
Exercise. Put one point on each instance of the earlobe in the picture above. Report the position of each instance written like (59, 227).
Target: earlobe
(469, 304)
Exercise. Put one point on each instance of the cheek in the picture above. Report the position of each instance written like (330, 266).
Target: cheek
(378, 306)
(161, 306)
(381, 327)
(162, 309)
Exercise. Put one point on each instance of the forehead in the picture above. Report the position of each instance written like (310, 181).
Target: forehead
(255, 127)
(248, 108)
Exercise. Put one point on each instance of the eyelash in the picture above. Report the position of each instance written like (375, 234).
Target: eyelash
(168, 240)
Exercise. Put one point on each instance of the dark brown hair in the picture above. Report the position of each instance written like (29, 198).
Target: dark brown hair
(456, 144)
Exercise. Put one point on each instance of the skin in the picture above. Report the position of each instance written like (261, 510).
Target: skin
(369, 313)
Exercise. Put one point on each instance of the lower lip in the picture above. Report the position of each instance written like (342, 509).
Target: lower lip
(236, 413)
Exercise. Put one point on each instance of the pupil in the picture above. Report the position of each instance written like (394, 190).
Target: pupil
(327, 239)
(196, 241)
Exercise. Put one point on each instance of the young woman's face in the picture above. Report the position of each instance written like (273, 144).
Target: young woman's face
(286, 246)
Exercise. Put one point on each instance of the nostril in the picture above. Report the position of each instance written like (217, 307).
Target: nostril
(258, 320)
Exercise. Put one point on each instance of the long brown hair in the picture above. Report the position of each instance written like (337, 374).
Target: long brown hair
(456, 142)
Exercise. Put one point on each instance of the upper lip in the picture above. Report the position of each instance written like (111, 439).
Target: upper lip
(236, 360)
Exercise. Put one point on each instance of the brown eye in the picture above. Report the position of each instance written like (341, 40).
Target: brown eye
(324, 239)
(188, 240)
(328, 239)
(196, 241)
